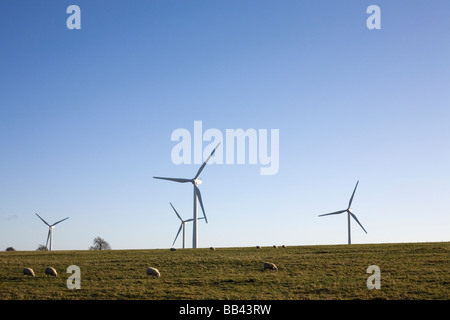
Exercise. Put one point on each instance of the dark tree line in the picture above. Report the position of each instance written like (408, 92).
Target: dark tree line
(97, 244)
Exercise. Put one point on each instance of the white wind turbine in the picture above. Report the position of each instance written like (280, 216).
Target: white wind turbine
(197, 196)
(50, 231)
(182, 226)
(349, 213)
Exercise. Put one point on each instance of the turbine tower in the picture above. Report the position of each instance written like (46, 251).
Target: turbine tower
(50, 231)
(182, 226)
(349, 213)
(197, 196)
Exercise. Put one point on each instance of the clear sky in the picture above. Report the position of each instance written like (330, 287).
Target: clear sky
(86, 118)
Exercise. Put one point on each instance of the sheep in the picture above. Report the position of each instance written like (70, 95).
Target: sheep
(28, 272)
(49, 271)
(270, 266)
(153, 272)
(212, 248)
(275, 246)
(258, 247)
(173, 249)
(284, 246)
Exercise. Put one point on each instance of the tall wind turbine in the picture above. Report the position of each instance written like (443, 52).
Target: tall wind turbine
(197, 196)
(50, 231)
(182, 226)
(349, 213)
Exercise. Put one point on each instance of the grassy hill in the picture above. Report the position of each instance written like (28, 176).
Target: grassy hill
(408, 271)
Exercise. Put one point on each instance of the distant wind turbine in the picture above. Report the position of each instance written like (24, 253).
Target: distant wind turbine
(197, 196)
(182, 226)
(349, 213)
(50, 231)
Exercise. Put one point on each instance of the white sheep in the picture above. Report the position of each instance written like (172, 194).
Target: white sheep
(153, 272)
(284, 246)
(212, 248)
(275, 246)
(28, 272)
(50, 271)
(270, 266)
(258, 247)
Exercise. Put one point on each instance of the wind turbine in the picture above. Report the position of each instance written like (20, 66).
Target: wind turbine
(349, 213)
(50, 231)
(197, 196)
(182, 226)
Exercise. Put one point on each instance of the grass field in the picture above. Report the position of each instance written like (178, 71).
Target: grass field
(408, 271)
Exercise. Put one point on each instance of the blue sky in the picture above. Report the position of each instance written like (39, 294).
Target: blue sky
(86, 118)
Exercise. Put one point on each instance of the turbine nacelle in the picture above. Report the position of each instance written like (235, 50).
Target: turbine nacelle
(197, 182)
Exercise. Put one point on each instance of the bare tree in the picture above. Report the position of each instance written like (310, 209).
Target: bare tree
(42, 247)
(100, 244)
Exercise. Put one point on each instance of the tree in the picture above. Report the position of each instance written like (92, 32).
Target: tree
(42, 247)
(100, 244)
(10, 249)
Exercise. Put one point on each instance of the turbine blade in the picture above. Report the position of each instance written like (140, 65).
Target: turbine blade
(43, 220)
(59, 221)
(337, 212)
(182, 180)
(354, 217)
(351, 199)
(48, 237)
(199, 196)
(176, 212)
(204, 163)
(189, 220)
(179, 230)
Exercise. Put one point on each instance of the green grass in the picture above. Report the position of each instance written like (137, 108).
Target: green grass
(408, 271)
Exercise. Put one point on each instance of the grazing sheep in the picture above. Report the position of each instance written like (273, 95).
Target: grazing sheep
(258, 247)
(153, 272)
(212, 248)
(270, 266)
(283, 246)
(28, 272)
(49, 271)
(275, 246)
(173, 249)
